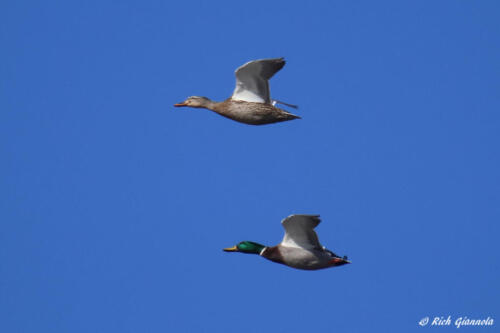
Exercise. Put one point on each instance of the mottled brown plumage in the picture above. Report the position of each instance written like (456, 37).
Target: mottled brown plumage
(252, 113)
(251, 102)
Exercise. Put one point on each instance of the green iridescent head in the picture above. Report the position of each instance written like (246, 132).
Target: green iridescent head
(246, 247)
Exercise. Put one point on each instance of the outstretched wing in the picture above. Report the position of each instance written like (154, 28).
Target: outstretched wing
(299, 231)
(252, 80)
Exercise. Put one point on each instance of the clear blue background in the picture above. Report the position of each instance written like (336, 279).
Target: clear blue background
(115, 206)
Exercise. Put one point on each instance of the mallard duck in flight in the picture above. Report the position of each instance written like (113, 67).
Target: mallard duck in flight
(251, 102)
(300, 247)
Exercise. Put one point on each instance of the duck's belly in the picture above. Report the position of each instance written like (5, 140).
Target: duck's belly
(254, 118)
(255, 113)
(304, 259)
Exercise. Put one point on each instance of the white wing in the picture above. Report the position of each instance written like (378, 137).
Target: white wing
(299, 231)
(252, 80)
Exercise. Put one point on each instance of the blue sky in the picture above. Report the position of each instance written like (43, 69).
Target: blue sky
(115, 206)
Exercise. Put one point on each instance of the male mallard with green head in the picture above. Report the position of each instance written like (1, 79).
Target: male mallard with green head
(300, 247)
(251, 102)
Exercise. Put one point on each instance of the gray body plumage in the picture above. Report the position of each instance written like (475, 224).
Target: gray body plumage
(300, 247)
(299, 257)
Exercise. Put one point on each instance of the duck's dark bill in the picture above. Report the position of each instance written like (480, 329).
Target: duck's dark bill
(180, 104)
(339, 261)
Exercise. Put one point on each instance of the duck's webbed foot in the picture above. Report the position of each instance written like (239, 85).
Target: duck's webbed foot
(274, 102)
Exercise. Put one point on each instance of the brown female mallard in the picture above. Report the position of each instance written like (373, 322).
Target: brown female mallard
(251, 102)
